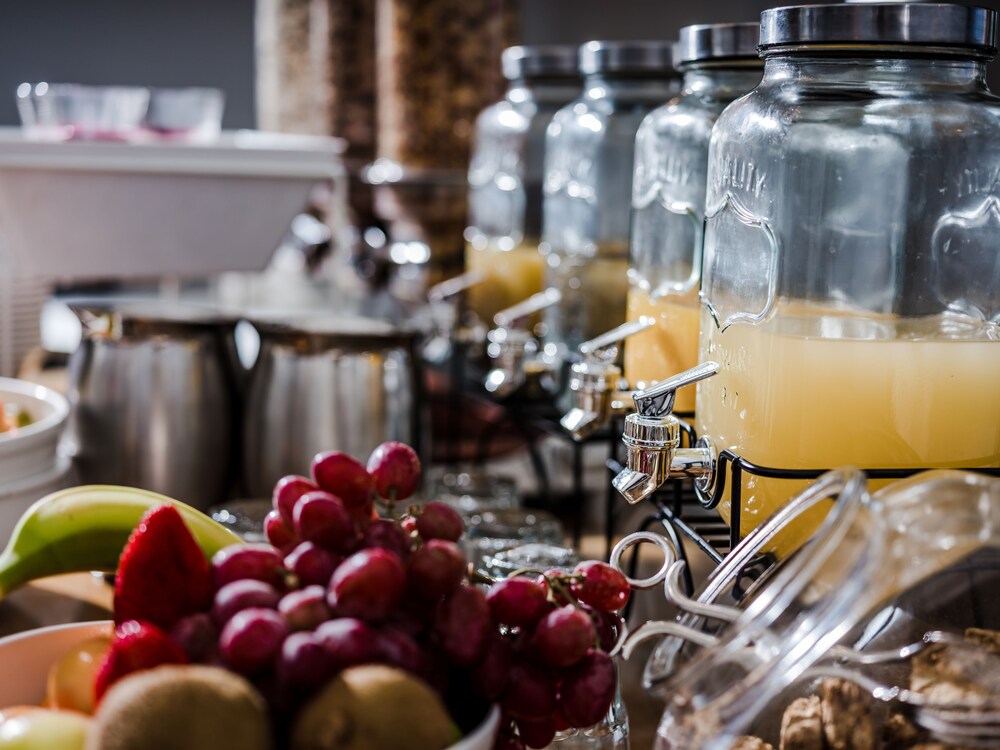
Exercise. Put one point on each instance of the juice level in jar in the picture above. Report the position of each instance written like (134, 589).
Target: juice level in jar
(669, 347)
(510, 276)
(820, 390)
(594, 289)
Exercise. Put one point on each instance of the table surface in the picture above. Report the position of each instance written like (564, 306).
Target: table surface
(71, 598)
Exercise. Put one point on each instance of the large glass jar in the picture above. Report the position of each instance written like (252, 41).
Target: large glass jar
(881, 633)
(588, 182)
(851, 283)
(505, 176)
(720, 63)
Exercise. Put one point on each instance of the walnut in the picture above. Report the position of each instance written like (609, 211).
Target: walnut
(802, 725)
(988, 640)
(899, 733)
(956, 676)
(847, 718)
(751, 743)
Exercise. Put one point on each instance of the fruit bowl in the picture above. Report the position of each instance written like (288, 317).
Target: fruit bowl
(32, 653)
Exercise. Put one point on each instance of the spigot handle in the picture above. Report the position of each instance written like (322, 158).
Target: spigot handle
(658, 399)
(455, 285)
(616, 335)
(534, 303)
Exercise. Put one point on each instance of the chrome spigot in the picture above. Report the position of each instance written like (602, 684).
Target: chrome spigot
(652, 437)
(595, 382)
(513, 349)
(447, 325)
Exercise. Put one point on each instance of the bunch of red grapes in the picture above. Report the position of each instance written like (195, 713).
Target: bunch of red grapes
(338, 586)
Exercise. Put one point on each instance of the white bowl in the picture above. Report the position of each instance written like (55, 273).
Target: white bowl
(17, 497)
(30, 656)
(31, 450)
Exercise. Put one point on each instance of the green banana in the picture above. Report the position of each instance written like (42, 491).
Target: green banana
(85, 528)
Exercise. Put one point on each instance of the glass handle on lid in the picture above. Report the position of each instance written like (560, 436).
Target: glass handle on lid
(534, 303)
(658, 399)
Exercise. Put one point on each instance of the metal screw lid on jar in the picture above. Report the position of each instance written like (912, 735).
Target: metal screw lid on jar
(857, 25)
(711, 42)
(627, 57)
(539, 61)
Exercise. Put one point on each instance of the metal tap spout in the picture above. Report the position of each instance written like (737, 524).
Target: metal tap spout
(595, 382)
(652, 438)
(514, 350)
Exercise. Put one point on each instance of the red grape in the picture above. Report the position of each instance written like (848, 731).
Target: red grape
(439, 521)
(490, 675)
(587, 689)
(387, 535)
(608, 626)
(344, 476)
(396, 470)
(562, 637)
(397, 649)
(349, 642)
(558, 595)
(517, 602)
(602, 587)
(251, 640)
(304, 609)
(286, 494)
(243, 594)
(279, 533)
(436, 569)
(367, 585)
(311, 564)
(305, 664)
(530, 693)
(538, 733)
(408, 524)
(323, 518)
(196, 635)
(462, 625)
(261, 562)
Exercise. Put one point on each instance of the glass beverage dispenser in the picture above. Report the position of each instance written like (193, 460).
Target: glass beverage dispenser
(851, 273)
(720, 63)
(588, 176)
(505, 176)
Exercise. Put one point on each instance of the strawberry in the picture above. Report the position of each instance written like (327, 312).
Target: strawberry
(135, 646)
(162, 574)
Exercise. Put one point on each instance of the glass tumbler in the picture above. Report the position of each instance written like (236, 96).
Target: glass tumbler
(609, 734)
(491, 531)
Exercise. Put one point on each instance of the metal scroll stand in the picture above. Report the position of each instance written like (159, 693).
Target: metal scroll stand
(515, 382)
(664, 453)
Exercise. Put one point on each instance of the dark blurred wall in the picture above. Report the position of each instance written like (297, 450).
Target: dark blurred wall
(210, 42)
(157, 43)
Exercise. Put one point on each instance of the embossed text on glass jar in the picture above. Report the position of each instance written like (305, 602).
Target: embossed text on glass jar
(588, 177)
(720, 63)
(850, 269)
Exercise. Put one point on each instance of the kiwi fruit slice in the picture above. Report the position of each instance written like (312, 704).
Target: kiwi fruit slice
(374, 707)
(181, 708)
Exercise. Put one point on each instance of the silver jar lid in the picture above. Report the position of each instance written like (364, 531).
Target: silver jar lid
(893, 24)
(540, 60)
(706, 42)
(627, 57)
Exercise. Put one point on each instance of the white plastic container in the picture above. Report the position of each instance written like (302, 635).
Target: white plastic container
(80, 210)
(31, 451)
